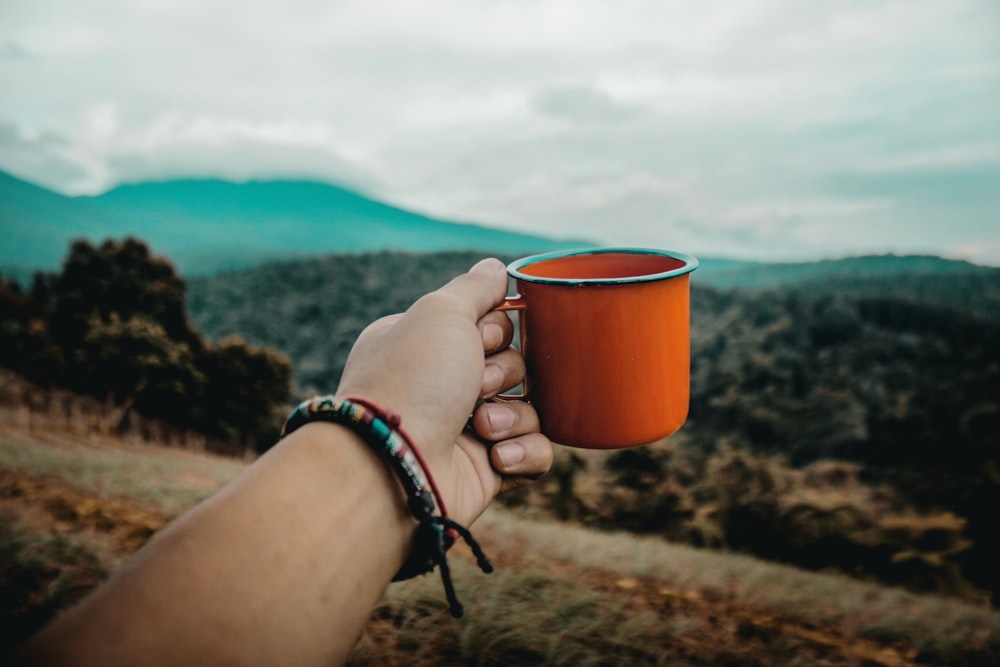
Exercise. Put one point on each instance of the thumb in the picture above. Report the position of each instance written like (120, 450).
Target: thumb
(483, 288)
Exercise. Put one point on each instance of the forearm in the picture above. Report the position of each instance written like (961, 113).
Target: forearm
(282, 566)
(285, 564)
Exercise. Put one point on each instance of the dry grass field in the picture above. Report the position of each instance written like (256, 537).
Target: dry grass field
(72, 508)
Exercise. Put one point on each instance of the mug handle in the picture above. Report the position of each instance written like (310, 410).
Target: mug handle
(515, 302)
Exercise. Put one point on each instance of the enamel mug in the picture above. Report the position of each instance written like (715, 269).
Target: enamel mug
(605, 334)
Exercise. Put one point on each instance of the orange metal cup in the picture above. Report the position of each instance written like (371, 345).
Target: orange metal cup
(606, 336)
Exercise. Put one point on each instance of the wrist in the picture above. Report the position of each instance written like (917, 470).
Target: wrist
(351, 469)
(380, 429)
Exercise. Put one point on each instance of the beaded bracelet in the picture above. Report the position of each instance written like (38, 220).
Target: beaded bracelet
(380, 429)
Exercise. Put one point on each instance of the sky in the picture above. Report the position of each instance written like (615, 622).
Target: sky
(753, 129)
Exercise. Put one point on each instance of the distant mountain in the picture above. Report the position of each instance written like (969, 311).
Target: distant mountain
(209, 226)
(34, 224)
(929, 280)
(206, 226)
(729, 274)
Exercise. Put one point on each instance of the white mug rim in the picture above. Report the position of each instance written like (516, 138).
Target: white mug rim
(690, 263)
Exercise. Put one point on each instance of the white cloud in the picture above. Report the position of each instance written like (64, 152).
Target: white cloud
(12, 50)
(176, 145)
(986, 252)
(583, 104)
(954, 155)
(42, 157)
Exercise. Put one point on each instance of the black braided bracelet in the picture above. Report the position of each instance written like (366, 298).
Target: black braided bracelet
(380, 429)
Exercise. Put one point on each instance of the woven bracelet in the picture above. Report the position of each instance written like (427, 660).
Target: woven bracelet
(380, 429)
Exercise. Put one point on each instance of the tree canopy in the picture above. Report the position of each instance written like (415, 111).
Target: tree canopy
(113, 323)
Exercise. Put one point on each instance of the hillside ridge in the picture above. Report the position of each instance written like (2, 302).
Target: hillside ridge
(207, 225)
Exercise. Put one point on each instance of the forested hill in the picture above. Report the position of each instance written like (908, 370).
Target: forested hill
(890, 370)
(878, 272)
(898, 374)
(313, 309)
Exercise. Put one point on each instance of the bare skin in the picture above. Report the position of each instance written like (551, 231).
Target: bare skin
(285, 564)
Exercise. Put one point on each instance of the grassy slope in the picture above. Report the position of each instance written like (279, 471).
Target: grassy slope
(558, 593)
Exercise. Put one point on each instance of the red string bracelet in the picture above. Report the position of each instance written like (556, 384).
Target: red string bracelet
(394, 422)
(380, 429)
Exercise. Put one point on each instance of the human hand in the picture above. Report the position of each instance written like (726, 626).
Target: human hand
(431, 365)
(316, 550)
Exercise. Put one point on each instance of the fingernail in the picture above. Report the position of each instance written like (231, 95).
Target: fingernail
(501, 418)
(492, 379)
(488, 265)
(492, 336)
(510, 453)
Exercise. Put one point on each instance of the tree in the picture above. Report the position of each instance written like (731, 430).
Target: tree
(118, 279)
(25, 344)
(114, 324)
(134, 363)
(248, 388)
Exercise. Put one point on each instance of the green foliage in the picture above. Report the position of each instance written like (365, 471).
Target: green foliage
(905, 388)
(822, 516)
(114, 324)
(118, 279)
(313, 310)
(26, 345)
(134, 360)
(242, 383)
